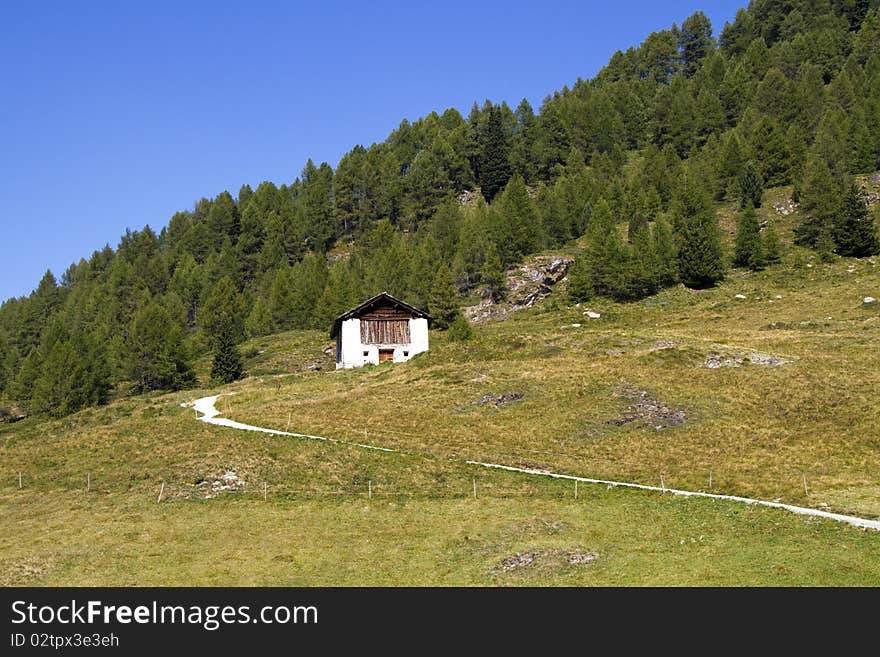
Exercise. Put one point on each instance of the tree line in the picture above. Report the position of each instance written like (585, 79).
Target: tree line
(635, 159)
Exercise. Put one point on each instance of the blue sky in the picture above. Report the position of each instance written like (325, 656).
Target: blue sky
(116, 115)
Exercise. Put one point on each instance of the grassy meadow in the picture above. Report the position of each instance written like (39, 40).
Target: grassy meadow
(627, 396)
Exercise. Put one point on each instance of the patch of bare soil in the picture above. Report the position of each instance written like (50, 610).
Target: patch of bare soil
(714, 361)
(24, 571)
(499, 400)
(647, 411)
(545, 558)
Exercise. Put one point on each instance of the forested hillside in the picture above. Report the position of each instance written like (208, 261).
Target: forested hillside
(788, 94)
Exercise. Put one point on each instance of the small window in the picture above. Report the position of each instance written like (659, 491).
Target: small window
(406, 353)
(366, 353)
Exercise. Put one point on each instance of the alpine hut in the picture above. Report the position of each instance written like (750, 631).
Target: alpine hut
(381, 329)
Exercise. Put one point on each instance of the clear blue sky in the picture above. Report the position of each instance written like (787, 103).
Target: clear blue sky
(116, 115)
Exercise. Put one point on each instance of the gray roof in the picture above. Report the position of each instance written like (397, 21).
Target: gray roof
(382, 298)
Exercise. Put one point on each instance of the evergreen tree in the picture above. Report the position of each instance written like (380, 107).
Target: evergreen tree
(5, 368)
(825, 245)
(316, 201)
(280, 301)
(444, 306)
(222, 318)
(666, 257)
(641, 267)
(580, 286)
(158, 359)
(700, 256)
(223, 311)
(259, 320)
(695, 42)
(855, 233)
(772, 246)
(749, 250)
(819, 202)
(516, 227)
(494, 165)
(492, 274)
(606, 253)
(227, 365)
(751, 187)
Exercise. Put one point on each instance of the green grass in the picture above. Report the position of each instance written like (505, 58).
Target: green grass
(758, 429)
(639, 539)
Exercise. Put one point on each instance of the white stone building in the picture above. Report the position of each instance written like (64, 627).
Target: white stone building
(380, 329)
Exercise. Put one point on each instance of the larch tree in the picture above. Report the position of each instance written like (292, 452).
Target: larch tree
(444, 306)
(855, 232)
(700, 255)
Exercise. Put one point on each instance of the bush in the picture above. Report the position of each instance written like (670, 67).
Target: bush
(460, 330)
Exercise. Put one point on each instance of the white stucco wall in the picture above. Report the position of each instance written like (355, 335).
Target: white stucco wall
(418, 335)
(352, 353)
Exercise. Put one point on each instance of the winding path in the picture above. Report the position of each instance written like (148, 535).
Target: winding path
(206, 406)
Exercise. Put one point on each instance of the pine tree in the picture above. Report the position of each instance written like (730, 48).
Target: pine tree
(444, 306)
(494, 165)
(700, 256)
(825, 245)
(666, 257)
(641, 267)
(259, 320)
(227, 365)
(751, 187)
(606, 253)
(223, 311)
(222, 318)
(580, 285)
(516, 225)
(855, 233)
(492, 274)
(819, 203)
(5, 368)
(695, 42)
(158, 358)
(749, 250)
(772, 246)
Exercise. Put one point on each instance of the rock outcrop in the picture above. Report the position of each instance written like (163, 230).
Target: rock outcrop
(526, 285)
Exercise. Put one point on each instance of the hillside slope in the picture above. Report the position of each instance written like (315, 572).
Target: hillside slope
(765, 381)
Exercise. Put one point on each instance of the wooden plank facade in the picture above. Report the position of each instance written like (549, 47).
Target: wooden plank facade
(385, 325)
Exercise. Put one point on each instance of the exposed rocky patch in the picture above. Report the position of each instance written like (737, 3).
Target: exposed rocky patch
(714, 361)
(785, 208)
(228, 481)
(647, 411)
(663, 344)
(22, 572)
(525, 286)
(469, 197)
(9, 414)
(499, 400)
(545, 557)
